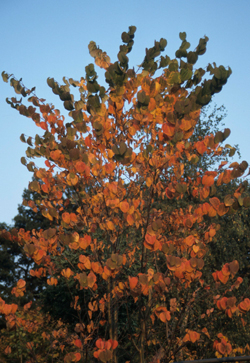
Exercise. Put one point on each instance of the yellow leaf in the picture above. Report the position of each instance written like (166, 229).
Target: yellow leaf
(110, 225)
(149, 181)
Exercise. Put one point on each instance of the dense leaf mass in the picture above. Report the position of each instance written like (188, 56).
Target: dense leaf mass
(132, 192)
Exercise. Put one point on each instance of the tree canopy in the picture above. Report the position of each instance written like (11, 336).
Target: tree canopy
(133, 212)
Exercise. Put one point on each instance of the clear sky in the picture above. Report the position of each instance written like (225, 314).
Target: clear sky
(50, 38)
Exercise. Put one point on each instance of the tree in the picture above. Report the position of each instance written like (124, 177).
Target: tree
(137, 264)
(15, 264)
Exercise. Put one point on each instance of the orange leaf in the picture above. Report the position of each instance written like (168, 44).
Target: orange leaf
(7, 350)
(124, 206)
(196, 248)
(100, 343)
(96, 267)
(55, 155)
(7, 309)
(107, 345)
(52, 281)
(194, 336)
(67, 273)
(149, 181)
(85, 261)
(188, 222)
(114, 343)
(78, 343)
(164, 316)
(133, 281)
(208, 180)
(150, 239)
(227, 176)
(45, 188)
(80, 166)
(222, 303)
(66, 217)
(21, 283)
(130, 219)
(73, 217)
(110, 225)
(244, 306)
(38, 255)
(168, 129)
(27, 306)
(200, 147)
(152, 104)
(91, 279)
(84, 242)
(226, 270)
(215, 202)
(222, 277)
(190, 240)
(77, 357)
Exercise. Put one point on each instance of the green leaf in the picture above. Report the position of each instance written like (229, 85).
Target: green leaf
(38, 140)
(232, 152)
(219, 137)
(228, 200)
(77, 115)
(192, 57)
(122, 148)
(22, 138)
(182, 35)
(181, 188)
(185, 45)
(181, 53)
(141, 96)
(83, 279)
(51, 82)
(5, 76)
(122, 58)
(30, 166)
(164, 61)
(173, 66)
(93, 87)
(227, 132)
(23, 161)
(93, 102)
(132, 30)
(174, 78)
(246, 202)
(125, 37)
(73, 83)
(163, 44)
(186, 74)
(65, 96)
(29, 141)
(34, 185)
(68, 105)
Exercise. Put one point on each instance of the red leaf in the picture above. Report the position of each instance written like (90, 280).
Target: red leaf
(133, 281)
(78, 343)
(100, 343)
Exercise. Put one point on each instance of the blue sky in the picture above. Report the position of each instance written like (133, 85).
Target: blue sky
(50, 38)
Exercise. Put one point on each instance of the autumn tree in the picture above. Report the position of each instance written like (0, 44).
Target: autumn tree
(136, 264)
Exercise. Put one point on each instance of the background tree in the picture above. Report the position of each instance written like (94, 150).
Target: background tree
(137, 264)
